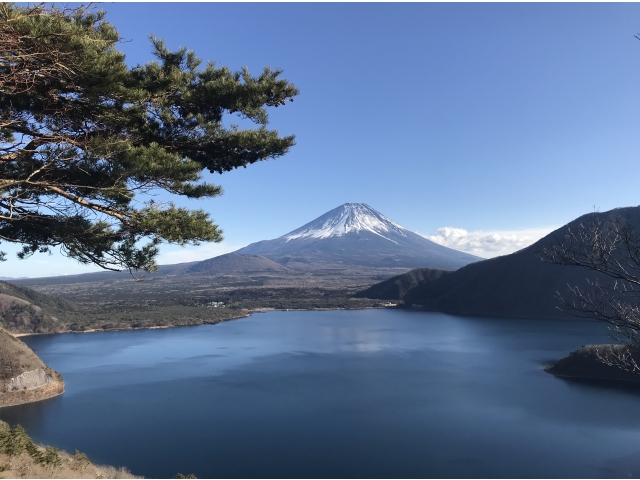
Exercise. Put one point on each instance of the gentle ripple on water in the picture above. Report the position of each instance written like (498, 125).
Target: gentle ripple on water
(369, 393)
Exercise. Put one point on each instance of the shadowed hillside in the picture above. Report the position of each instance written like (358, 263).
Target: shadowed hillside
(516, 285)
(396, 288)
(586, 362)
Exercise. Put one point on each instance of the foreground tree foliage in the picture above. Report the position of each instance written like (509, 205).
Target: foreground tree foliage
(608, 245)
(81, 135)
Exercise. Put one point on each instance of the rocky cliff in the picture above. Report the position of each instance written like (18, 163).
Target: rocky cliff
(24, 377)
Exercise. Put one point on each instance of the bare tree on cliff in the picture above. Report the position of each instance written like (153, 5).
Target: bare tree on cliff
(608, 244)
(82, 136)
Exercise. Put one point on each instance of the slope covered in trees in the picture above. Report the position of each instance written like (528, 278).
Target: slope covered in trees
(516, 285)
(23, 310)
(396, 288)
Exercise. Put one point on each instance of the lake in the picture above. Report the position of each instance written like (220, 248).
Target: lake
(368, 393)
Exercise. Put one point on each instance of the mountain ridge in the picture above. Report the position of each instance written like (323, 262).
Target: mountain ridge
(349, 217)
(353, 236)
(516, 285)
(357, 234)
(235, 263)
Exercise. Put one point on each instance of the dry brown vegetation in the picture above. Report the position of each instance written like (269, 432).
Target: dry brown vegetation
(20, 457)
(16, 357)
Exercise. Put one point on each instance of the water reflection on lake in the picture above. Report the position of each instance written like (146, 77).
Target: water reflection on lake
(370, 393)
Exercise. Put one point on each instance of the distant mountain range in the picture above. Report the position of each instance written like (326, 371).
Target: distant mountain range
(347, 242)
(235, 263)
(356, 234)
(352, 236)
(516, 285)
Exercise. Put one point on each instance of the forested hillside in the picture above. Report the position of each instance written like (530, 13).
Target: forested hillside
(517, 285)
(23, 310)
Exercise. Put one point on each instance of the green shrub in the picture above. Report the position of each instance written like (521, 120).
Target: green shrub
(80, 459)
(51, 458)
(15, 441)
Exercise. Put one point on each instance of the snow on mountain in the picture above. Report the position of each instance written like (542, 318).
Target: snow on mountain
(356, 234)
(347, 218)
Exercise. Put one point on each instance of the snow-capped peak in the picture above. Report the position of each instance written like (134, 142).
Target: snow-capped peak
(348, 218)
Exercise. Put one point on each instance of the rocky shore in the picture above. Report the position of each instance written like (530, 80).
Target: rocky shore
(33, 394)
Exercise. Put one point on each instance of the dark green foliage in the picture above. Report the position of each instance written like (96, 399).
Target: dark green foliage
(82, 134)
(51, 457)
(15, 441)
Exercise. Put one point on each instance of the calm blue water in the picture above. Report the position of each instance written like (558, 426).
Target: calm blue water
(370, 393)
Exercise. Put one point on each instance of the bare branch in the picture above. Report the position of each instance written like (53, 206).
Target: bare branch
(610, 246)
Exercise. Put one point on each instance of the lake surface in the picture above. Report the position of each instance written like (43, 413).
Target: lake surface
(369, 393)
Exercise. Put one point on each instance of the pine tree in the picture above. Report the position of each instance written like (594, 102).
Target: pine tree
(83, 137)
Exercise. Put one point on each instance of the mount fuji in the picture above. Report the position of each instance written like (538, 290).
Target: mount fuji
(356, 234)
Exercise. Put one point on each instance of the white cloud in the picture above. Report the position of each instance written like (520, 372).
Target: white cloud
(488, 244)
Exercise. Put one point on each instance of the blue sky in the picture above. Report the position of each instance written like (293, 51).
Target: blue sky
(496, 121)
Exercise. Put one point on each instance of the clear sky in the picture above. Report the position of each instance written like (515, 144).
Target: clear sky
(482, 126)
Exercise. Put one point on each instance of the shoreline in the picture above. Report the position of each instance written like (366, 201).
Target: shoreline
(628, 381)
(245, 314)
(586, 363)
(155, 327)
(31, 395)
